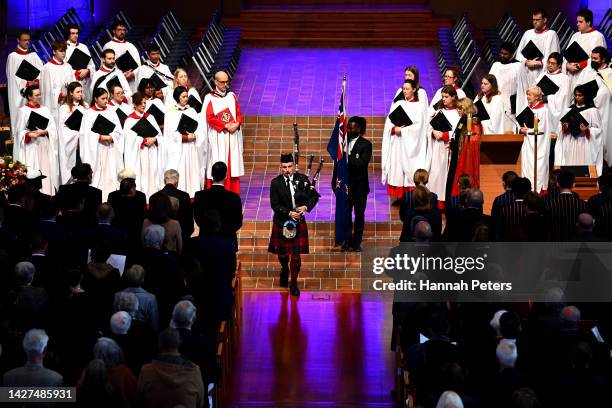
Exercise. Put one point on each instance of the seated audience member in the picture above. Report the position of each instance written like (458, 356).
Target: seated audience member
(171, 380)
(562, 211)
(96, 391)
(160, 214)
(185, 210)
(147, 311)
(33, 373)
(422, 207)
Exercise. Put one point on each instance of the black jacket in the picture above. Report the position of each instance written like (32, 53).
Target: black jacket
(185, 211)
(358, 162)
(226, 202)
(280, 196)
(71, 196)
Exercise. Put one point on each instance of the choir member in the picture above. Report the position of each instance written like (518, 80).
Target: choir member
(404, 149)
(68, 134)
(54, 77)
(153, 65)
(450, 78)
(546, 41)
(412, 73)
(224, 120)
(145, 148)
(82, 75)
(182, 79)
(438, 153)
(539, 110)
(560, 100)
(36, 145)
(120, 45)
(186, 147)
(492, 101)
(16, 84)
(581, 145)
(600, 71)
(147, 89)
(108, 72)
(588, 38)
(508, 72)
(103, 151)
(118, 103)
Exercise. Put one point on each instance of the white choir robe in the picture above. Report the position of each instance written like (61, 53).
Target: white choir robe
(16, 84)
(507, 76)
(39, 153)
(405, 153)
(423, 98)
(120, 47)
(170, 102)
(587, 42)
(146, 71)
(86, 82)
(580, 150)
(110, 74)
(438, 95)
(54, 78)
(223, 145)
(559, 101)
(188, 158)
(496, 124)
(68, 142)
(105, 159)
(438, 156)
(603, 104)
(124, 107)
(547, 42)
(149, 163)
(527, 150)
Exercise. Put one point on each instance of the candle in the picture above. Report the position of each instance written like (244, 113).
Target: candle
(535, 124)
(469, 122)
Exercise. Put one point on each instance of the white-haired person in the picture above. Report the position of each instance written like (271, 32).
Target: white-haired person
(449, 399)
(30, 298)
(184, 213)
(146, 310)
(33, 373)
(136, 341)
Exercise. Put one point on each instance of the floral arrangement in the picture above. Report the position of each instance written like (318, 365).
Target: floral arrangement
(11, 173)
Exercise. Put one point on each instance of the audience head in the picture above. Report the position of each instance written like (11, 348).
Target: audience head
(126, 174)
(35, 344)
(127, 302)
(107, 350)
(96, 375)
(464, 182)
(449, 399)
(421, 177)
(183, 315)
(422, 198)
(105, 213)
(585, 223)
(82, 172)
(219, 172)
(508, 178)
(160, 208)
(153, 236)
(169, 340)
(506, 354)
(481, 233)
(570, 317)
(475, 198)
(554, 299)
(565, 180)
(422, 232)
(134, 276)
(494, 323)
(533, 201)
(127, 186)
(525, 398)
(120, 322)
(520, 187)
(171, 176)
(210, 222)
(510, 325)
(24, 273)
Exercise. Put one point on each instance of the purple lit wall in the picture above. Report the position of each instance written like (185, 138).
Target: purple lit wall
(42, 14)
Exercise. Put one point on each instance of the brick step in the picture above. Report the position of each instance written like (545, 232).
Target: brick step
(274, 40)
(273, 271)
(333, 16)
(379, 228)
(314, 284)
(310, 24)
(261, 240)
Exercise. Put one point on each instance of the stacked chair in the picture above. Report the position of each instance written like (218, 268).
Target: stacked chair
(506, 30)
(218, 50)
(458, 48)
(173, 41)
(605, 27)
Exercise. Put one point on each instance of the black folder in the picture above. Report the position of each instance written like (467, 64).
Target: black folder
(590, 89)
(102, 126)
(440, 123)
(574, 119)
(121, 115)
(144, 128)
(399, 117)
(157, 114)
(126, 62)
(547, 86)
(157, 82)
(194, 103)
(78, 59)
(482, 111)
(74, 121)
(575, 53)
(186, 125)
(399, 97)
(37, 121)
(27, 71)
(513, 104)
(113, 82)
(525, 118)
(531, 51)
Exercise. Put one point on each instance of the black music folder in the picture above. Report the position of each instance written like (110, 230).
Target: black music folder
(574, 119)
(37, 121)
(194, 103)
(27, 71)
(531, 51)
(144, 128)
(113, 82)
(513, 104)
(126, 62)
(122, 116)
(157, 114)
(575, 53)
(74, 121)
(158, 83)
(78, 59)
(102, 126)
(547, 86)
(525, 118)
(399, 117)
(440, 123)
(186, 125)
(482, 111)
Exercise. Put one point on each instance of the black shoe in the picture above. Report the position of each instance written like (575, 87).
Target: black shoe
(356, 249)
(284, 279)
(294, 290)
(345, 248)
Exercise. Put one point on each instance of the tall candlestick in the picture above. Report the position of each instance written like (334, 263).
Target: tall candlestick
(535, 124)
(469, 122)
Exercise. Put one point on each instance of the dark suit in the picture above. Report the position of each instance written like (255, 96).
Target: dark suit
(115, 237)
(562, 213)
(129, 215)
(280, 197)
(73, 196)
(185, 211)
(600, 207)
(227, 203)
(465, 224)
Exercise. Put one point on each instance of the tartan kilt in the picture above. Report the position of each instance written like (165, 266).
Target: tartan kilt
(283, 246)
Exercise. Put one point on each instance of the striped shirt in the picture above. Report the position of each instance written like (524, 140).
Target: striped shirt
(511, 217)
(562, 213)
(501, 201)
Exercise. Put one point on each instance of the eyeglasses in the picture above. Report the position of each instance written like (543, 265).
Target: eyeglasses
(222, 82)
(449, 76)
